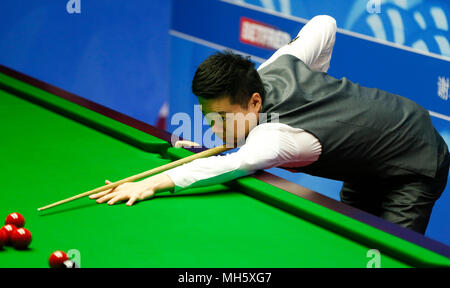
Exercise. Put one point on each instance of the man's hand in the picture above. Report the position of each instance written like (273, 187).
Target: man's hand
(132, 191)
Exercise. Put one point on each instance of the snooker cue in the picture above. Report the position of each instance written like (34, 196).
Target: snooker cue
(206, 153)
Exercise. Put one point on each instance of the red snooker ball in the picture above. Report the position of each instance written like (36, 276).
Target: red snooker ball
(3, 238)
(8, 229)
(21, 238)
(57, 259)
(15, 219)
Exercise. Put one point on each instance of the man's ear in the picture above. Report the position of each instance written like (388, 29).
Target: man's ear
(255, 101)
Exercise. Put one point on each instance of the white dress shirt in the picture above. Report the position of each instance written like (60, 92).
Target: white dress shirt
(269, 144)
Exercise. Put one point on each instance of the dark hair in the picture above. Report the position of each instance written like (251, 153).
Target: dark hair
(227, 74)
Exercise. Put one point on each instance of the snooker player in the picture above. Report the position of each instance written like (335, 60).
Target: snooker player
(392, 161)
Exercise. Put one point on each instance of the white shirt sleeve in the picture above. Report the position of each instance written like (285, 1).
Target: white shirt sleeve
(267, 145)
(313, 44)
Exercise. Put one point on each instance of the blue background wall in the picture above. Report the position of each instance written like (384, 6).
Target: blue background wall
(133, 56)
(113, 52)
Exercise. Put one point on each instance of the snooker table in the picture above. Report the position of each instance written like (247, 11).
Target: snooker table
(56, 144)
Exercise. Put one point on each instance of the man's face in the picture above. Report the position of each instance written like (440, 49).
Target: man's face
(231, 122)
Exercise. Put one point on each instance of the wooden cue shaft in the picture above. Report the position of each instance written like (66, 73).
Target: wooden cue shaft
(206, 153)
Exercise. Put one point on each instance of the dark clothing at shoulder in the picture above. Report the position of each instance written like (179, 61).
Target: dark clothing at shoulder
(364, 132)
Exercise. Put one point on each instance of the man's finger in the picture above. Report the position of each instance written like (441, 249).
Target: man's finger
(100, 194)
(185, 143)
(107, 197)
(107, 182)
(132, 200)
(117, 198)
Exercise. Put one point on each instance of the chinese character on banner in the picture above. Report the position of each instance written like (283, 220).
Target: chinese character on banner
(443, 86)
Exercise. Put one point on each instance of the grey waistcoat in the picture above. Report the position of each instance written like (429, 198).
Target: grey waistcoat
(365, 133)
